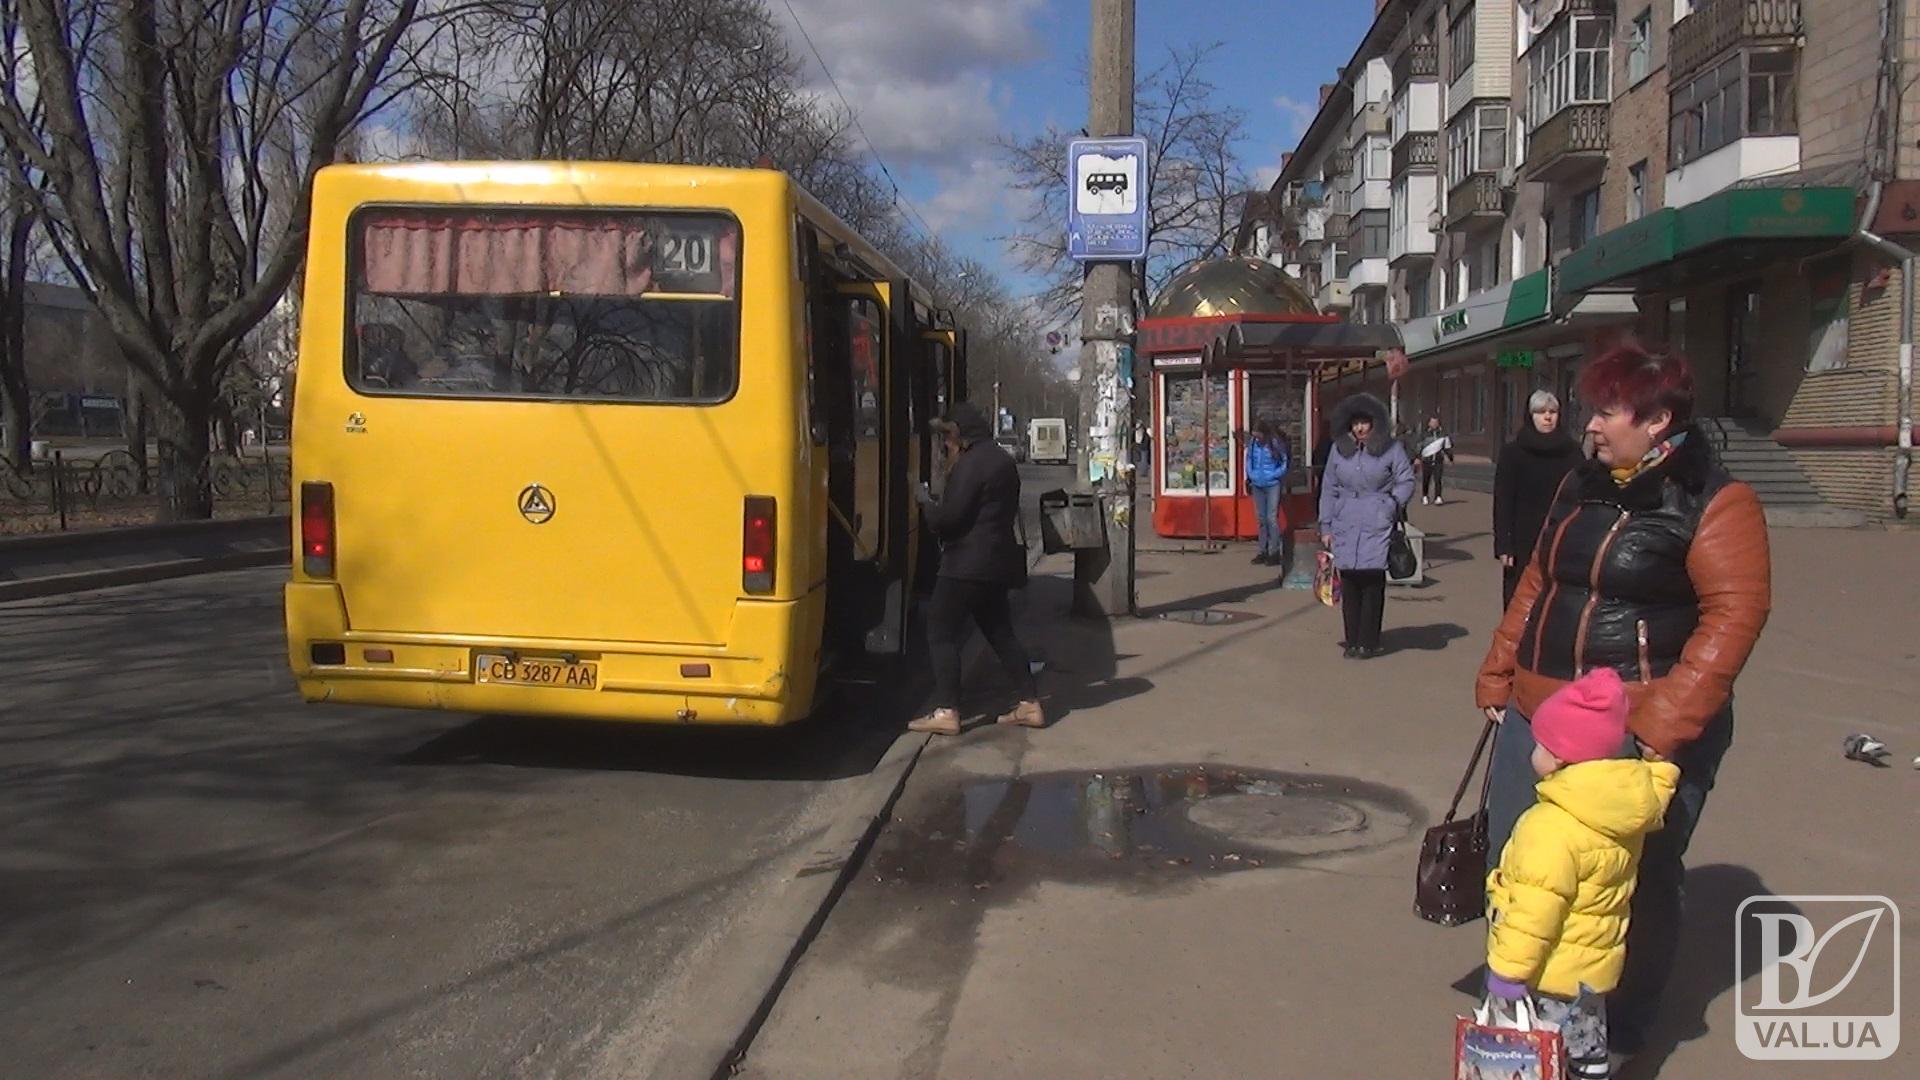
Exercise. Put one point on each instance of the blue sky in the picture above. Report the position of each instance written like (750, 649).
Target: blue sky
(935, 80)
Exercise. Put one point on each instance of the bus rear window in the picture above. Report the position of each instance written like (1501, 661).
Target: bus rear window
(552, 304)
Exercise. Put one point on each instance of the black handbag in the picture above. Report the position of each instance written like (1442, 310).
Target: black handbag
(1400, 561)
(1450, 885)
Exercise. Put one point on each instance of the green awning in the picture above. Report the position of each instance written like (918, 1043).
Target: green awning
(1737, 215)
(1528, 301)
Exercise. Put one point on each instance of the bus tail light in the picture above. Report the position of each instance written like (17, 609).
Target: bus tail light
(316, 529)
(758, 532)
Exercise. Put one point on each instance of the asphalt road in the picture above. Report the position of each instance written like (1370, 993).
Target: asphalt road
(202, 877)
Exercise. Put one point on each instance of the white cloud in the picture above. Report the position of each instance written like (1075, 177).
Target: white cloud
(920, 75)
(1295, 115)
(974, 195)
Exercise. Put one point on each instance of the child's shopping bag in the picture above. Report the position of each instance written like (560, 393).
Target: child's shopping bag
(1326, 580)
(1495, 1045)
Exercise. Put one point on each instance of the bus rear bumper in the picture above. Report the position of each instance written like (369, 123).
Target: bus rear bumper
(759, 678)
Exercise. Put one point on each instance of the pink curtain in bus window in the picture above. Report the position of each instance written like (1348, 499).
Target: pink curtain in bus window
(411, 253)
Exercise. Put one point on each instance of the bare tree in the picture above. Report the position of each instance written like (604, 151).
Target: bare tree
(176, 142)
(1199, 180)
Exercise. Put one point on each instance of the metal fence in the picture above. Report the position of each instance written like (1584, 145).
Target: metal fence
(78, 492)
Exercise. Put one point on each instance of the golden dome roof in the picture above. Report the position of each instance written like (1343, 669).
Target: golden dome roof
(1240, 285)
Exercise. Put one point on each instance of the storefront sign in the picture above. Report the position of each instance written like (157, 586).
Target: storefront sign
(1453, 322)
(1164, 362)
(1515, 358)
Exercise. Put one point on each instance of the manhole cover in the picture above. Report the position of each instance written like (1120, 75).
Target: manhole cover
(1299, 824)
(1207, 616)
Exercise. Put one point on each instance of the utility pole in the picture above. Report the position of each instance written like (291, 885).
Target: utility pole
(1104, 579)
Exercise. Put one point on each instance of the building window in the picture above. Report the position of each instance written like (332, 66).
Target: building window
(1477, 142)
(1677, 324)
(1373, 239)
(1547, 232)
(1379, 158)
(1570, 65)
(1491, 130)
(1586, 219)
(1636, 191)
(1749, 93)
(1639, 47)
(1770, 93)
(1477, 404)
(1419, 295)
(1517, 251)
(1460, 43)
(1483, 264)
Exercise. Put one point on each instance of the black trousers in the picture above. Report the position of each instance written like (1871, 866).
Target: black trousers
(1363, 602)
(1510, 581)
(1433, 476)
(954, 602)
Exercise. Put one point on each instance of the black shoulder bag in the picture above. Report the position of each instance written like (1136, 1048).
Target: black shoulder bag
(1450, 886)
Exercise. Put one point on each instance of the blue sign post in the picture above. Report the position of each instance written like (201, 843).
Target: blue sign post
(1107, 200)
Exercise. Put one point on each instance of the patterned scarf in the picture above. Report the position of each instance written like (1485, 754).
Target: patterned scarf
(1625, 474)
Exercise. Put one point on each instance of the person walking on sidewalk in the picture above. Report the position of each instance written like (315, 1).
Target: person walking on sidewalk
(1367, 487)
(1557, 901)
(980, 561)
(1436, 449)
(1525, 479)
(1266, 473)
(1653, 562)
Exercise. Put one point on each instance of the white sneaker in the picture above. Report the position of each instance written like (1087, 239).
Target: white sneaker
(1439, 501)
(1424, 501)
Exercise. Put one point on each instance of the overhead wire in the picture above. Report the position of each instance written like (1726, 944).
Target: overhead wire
(899, 197)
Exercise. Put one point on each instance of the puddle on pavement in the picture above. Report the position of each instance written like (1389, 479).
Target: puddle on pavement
(1165, 823)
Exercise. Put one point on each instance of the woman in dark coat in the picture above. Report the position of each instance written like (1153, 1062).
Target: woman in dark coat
(1524, 480)
(980, 561)
(1367, 486)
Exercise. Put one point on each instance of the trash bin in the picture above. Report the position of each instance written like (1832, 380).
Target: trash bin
(1070, 521)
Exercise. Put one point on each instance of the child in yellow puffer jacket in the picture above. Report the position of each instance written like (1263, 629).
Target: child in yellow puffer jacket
(1557, 903)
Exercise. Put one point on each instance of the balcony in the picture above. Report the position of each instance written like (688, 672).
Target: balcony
(1374, 118)
(1416, 152)
(1338, 226)
(1420, 62)
(1475, 201)
(1340, 162)
(1714, 28)
(1572, 144)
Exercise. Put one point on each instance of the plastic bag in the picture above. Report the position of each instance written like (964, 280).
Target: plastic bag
(1490, 1045)
(1326, 580)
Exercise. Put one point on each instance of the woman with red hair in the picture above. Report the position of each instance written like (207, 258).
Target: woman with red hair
(1653, 562)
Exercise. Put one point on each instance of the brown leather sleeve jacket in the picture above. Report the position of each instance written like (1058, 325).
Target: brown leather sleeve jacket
(1669, 581)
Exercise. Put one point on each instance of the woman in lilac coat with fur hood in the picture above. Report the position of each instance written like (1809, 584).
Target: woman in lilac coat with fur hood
(1368, 483)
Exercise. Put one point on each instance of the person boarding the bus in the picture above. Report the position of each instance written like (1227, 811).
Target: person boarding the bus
(981, 560)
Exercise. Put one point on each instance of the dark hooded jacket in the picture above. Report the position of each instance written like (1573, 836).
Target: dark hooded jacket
(1365, 487)
(976, 518)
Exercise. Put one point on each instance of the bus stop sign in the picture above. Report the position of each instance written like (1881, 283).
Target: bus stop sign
(1107, 200)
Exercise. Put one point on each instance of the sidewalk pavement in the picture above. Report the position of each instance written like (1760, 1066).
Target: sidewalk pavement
(1040, 906)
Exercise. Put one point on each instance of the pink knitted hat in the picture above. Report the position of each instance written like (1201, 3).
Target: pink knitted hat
(1585, 720)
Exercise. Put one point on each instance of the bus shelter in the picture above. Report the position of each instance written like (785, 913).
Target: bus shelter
(1213, 378)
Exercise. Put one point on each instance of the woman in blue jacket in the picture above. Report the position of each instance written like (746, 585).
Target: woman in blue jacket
(1266, 472)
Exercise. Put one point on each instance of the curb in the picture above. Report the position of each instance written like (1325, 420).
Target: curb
(749, 975)
(140, 574)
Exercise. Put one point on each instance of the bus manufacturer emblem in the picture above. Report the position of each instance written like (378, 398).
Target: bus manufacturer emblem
(536, 504)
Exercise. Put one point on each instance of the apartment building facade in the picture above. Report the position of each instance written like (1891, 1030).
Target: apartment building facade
(1694, 171)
